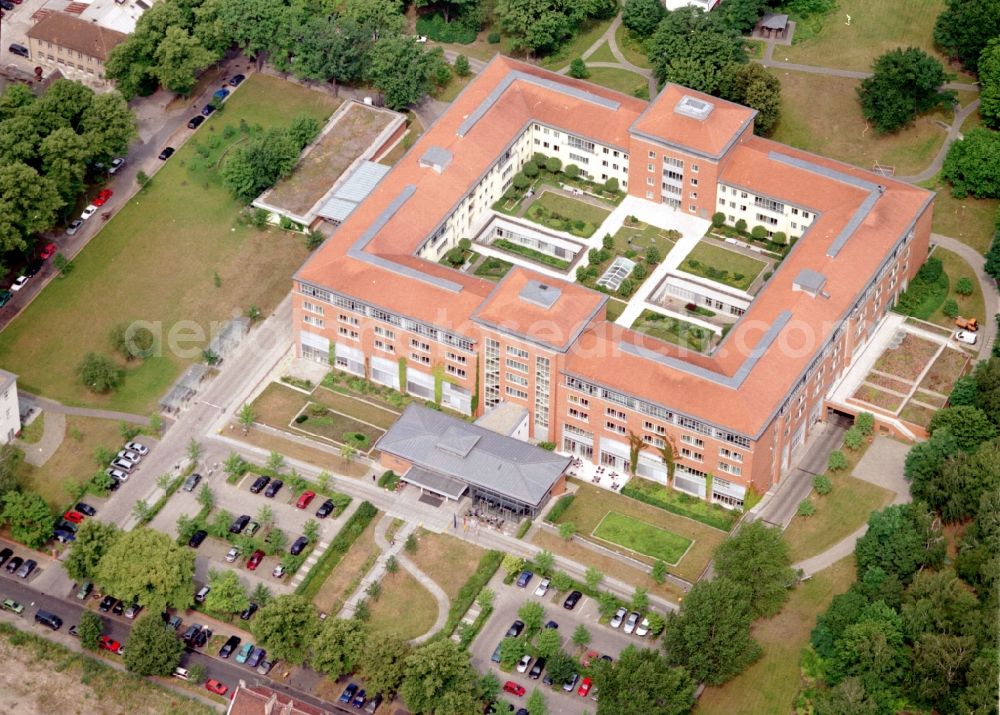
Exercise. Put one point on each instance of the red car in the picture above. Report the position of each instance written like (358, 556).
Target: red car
(305, 499)
(255, 558)
(584, 687)
(74, 516)
(216, 687)
(513, 688)
(47, 251)
(108, 643)
(103, 197)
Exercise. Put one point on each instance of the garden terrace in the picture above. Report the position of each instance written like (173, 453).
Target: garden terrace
(644, 245)
(492, 268)
(673, 330)
(563, 213)
(723, 265)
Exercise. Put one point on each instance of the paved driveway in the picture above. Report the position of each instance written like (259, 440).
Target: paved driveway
(508, 600)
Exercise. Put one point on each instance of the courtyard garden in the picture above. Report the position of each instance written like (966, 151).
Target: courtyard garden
(907, 358)
(493, 268)
(672, 330)
(563, 213)
(184, 219)
(642, 244)
(722, 265)
(642, 538)
(541, 171)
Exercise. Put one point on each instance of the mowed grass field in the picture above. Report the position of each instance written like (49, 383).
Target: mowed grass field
(641, 537)
(156, 261)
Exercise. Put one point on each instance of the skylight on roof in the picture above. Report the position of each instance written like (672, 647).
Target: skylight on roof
(540, 294)
(693, 107)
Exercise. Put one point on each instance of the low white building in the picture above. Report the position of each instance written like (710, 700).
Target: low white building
(10, 412)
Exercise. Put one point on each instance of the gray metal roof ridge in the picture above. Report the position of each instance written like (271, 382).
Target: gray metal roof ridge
(358, 252)
(852, 225)
(515, 75)
(733, 381)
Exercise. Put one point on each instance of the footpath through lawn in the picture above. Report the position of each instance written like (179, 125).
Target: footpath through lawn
(175, 256)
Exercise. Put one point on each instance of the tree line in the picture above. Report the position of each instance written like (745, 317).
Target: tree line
(48, 145)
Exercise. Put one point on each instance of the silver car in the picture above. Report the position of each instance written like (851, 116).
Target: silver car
(140, 449)
(616, 620)
(129, 456)
(117, 474)
(73, 226)
(123, 465)
(232, 555)
(633, 618)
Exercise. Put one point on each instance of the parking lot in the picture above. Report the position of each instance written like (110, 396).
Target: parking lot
(509, 599)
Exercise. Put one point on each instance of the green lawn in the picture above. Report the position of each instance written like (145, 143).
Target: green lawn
(157, 260)
(615, 308)
(278, 405)
(587, 34)
(563, 213)
(363, 410)
(641, 235)
(720, 264)
(621, 80)
(672, 330)
(404, 609)
(602, 54)
(969, 306)
(642, 538)
(631, 48)
(678, 502)
(969, 220)
(448, 560)
(452, 89)
(493, 268)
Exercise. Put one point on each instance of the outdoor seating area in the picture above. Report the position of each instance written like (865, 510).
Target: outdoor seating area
(598, 475)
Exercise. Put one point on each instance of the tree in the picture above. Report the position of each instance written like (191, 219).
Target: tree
(561, 581)
(93, 539)
(964, 28)
(581, 636)
(287, 627)
(383, 662)
(194, 450)
(956, 491)
(548, 642)
(179, 57)
(29, 203)
(640, 599)
(659, 572)
(206, 497)
(992, 265)
(28, 517)
(265, 515)
(635, 445)
(968, 425)
(751, 84)
(324, 47)
(338, 646)
(261, 595)
(642, 16)
(536, 703)
(439, 678)
(989, 84)
(972, 165)
(246, 416)
(711, 634)
(537, 26)
(228, 595)
(532, 614)
(399, 68)
(512, 650)
(758, 558)
(462, 66)
(905, 83)
(544, 561)
(567, 530)
(693, 48)
(512, 564)
(871, 649)
(89, 629)
(152, 649)
(10, 460)
(642, 682)
(258, 165)
(132, 341)
(380, 18)
(148, 567)
(310, 530)
(742, 15)
(64, 155)
(900, 539)
(578, 69)
(964, 286)
(560, 666)
(924, 463)
(99, 373)
(296, 482)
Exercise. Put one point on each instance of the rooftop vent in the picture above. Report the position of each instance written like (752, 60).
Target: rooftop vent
(540, 294)
(809, 281)
(695, 108)
(436, 158)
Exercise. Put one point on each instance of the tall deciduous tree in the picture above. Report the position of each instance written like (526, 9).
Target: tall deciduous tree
(758, 558)
(965, 27)
(93, 540)
(338, 646)
(254, 23)
(642, 16)
(970, 426)
(108, 125)
(381, 18)
(259, 164)
(29, 204)
(900, 539)
(693, 48)
(641, 682)
(152, 649)
(964, 480)
(399, 68)
(179, 57)
(287, 626)
(28, 517)
(149, 567)
(383, 663)
(537, 26)
(228, 595)
(751, 84)
(64, 155)
(989, 84)
(439, 674)
(972, 165)
(905, 83)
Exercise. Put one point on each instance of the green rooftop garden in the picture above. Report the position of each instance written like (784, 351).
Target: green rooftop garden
(722, 265)
(679, 332)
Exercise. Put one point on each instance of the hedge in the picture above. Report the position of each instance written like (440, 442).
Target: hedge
(488, 566)
(340, 545)
(715, 521)
(560, 507)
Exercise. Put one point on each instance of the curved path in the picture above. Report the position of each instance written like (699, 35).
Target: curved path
(953, 131)
(991, 296)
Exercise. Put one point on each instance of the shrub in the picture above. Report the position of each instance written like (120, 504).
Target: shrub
(608, 241)
(854, 438)
(780, 237)
(572, 171)
(340, 545)
(865, 422)
(837, 461)
(530, 169)
(521, 181)
(611, 185)
(462, 66)
(493, 38)
(964, 286)
(758, 232)
(822, 484)
(625, 288)
(718, 219)
(806, 508)
(99, 373)
(488, 566)
(356, 440)
(459, 30)
(653, 255)
(950, 308)
(741, 226)
(560, 507)
(640, 271)
(388, 480)
(578, 69)
(553, 165)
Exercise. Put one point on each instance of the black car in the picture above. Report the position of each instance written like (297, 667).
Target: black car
(106, 603)
(63, 525)
(196, 538)
(229, 646)
(515, 629)
(26, 568)
(14, 564)
(166, 153)
(273, 488)
(248, 613)
(258, 484)
(571, 600)
(14, 47)
(8, 6)
(33, 267)
(203, 637)
(536, 670)
(64, 537)
(119, 608)
(207, 109)
(195, 122)
(299, 546)
(239, 524)
(85, 509)
(191, 633)
(5, 296)
(4, 555)
(325, 509)
(236, 79)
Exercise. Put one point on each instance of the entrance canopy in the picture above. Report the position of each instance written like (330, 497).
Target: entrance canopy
(436, 483)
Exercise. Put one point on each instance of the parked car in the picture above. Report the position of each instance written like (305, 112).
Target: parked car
(305, 499)
(108, 643)
(166, 153)
(523, 664)
(515, 629)
(229, 646)
(235, 80)
(524, 578)
(74, 516)
(191, 482)
(584, 688)
(197, 538)
(118, 609)
(966, 336)
(195, 122)
(207, 109)
(63, 525)
(513, 688)
(543, 587)
(325, 509)
(174, 623)
(220, 94)
(214, 686)
(618, 618)
(552, 624)
(103, 196)
(9, 604)
(84, 590)
(49, 619)
(259, 483)
(14, 564)
(191, 633)
(123, 466)
(182, 673)
(348, 694)
(255, 558)
(252, 528)
(244, 653)
(4, 555)
(33, 267)
(106, 603)
(273, 488)
(248, 612)
(536, 670)
(256, 657)
(571, 600)
(5, 296)
(643, 627)
(360, 698)
(265, 666)
(570, 684)
(374, 703)
(15, 48)
(630, 622)
(116, 164)
(298, 546)
(73, 227)
(48, 250)
(19, 283)
(239, 524)
(63, 536)
(137, 447)
(26, 568)
(85, 508)
(88, 212)
(128, 456)
(232, 555)
(496, 653)
(202, 594)
(203, 637)
(279, 571)
(119, 475)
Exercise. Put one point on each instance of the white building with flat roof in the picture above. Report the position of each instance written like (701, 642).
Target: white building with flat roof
(10, 412)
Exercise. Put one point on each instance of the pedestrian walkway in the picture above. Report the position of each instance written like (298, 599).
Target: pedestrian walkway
(54, 431)
(52, 406)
